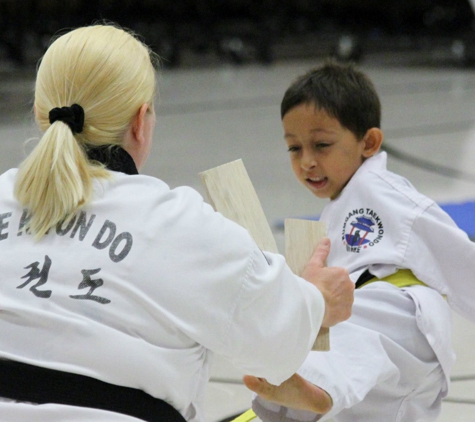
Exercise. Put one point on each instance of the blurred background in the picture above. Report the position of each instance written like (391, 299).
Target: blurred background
(191, 32)
(225, 67)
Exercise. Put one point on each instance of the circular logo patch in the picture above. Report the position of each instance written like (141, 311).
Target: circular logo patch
(362, 228)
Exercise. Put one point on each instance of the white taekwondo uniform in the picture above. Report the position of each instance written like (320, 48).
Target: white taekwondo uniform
(140, 290)
(391, 360)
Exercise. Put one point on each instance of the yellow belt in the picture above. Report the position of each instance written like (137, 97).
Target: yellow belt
(246, 416)
(401, 278)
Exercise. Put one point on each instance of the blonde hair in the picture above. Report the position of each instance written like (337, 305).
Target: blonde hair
(110, 74)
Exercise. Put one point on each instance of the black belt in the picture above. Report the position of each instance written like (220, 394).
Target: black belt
(363, 278)
(28, 383)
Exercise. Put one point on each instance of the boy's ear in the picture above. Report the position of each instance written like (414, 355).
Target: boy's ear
(372, 141)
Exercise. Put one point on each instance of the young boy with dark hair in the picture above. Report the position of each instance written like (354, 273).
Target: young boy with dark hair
(392, 359)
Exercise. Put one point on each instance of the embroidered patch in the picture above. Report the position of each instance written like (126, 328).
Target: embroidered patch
(362, 228)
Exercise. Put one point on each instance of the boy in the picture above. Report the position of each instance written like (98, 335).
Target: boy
(391, 360)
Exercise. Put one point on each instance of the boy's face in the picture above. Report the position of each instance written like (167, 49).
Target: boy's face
(324, 155)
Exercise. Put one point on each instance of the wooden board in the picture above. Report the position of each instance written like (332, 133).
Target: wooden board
(301, 238)
(230, 192)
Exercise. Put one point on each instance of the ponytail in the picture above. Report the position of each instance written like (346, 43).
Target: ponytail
(56, 179)
(110, 74)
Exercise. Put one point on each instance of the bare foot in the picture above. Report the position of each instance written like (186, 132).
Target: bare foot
(295, 393)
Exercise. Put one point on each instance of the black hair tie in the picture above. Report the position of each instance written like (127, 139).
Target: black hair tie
(73, 116)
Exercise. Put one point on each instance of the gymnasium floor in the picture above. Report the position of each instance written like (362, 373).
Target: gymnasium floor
(210, 115)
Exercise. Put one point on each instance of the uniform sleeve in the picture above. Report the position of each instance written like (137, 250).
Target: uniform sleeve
(276, 319)
(266, 317)
(443, 256)
(220, 290)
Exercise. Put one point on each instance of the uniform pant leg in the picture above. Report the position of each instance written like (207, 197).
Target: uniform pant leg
(380, 366)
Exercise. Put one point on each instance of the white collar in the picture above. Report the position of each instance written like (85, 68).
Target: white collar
(375, 163)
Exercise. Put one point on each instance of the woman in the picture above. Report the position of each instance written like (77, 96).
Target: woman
(115, 290)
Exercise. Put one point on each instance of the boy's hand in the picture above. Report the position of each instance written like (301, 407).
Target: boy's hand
(334, 284)
(295, 393)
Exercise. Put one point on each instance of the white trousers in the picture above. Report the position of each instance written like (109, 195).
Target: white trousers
(389, 362)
